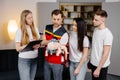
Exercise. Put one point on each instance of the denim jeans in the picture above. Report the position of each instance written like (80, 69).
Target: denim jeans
(81, 75)
(56, 69)
(27, 68)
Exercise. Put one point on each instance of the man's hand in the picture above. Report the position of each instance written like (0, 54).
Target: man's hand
(96, 73)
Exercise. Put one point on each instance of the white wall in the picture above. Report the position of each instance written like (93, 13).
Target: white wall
(44, 10)
(81, 0)
(11, 9)
(113, 22)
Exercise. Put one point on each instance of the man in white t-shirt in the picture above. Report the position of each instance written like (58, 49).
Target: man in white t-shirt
(101, 47)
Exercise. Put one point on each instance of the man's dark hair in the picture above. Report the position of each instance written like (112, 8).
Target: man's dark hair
(101, 13)
(56, 12)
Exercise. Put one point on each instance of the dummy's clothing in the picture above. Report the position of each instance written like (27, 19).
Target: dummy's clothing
(54, 35)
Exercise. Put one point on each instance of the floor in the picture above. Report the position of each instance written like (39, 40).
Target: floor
(109, 77)
(14, 76)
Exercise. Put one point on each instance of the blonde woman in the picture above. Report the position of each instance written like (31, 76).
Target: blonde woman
(27, 61)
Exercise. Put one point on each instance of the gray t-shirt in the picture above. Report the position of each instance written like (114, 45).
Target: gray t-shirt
(75, 54)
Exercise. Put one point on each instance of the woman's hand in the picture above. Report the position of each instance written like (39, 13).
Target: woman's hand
(36, 46)
(76, 72)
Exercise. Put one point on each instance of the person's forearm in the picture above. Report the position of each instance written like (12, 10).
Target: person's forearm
(104, 57)
(84, 57)
(20, 48)
(102, 61)
(44, 42)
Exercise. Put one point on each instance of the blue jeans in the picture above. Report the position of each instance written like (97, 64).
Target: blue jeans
(56, 69)
(81, 75)
(27, 68)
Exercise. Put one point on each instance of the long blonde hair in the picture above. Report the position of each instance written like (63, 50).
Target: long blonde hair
(25, 36)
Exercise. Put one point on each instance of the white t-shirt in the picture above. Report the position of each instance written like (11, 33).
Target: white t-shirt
(27, 54)
(100, 38)
(75, 54)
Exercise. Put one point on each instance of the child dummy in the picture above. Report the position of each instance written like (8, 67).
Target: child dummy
(54, 47)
